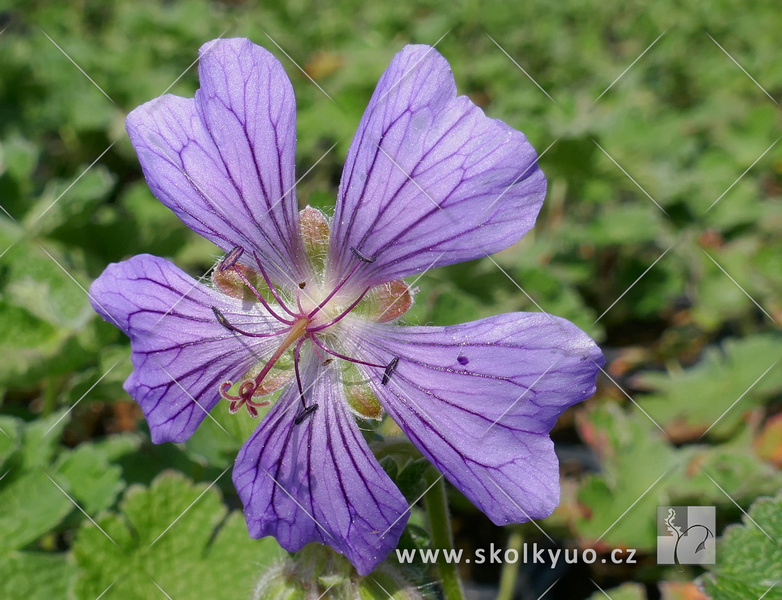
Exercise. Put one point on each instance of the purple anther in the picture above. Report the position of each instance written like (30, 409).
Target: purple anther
(389, 370)
(231, 258)
(358, 255)
(302, 416)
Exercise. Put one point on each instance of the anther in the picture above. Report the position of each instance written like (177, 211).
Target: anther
(231, 258)
(272, 289)
(224, 322)
(358, 255)
(389, 370)
(302, 285)
(221, 319)
(327, 362)
(302, 416)
(317, 344)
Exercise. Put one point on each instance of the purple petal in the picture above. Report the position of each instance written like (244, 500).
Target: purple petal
(318, 481)
(479, 400)
(180, 353)
(224, 161)
(429, 179)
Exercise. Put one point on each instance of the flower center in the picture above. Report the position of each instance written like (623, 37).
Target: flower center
(317, 311)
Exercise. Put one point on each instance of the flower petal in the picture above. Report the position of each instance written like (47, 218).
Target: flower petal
(180, 353)
(318, 481)
(429, 179)
(224, 161)
(479, 400)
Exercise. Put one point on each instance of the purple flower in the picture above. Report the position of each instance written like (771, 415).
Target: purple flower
(307, 306)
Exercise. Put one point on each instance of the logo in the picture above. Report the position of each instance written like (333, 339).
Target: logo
(685, 535)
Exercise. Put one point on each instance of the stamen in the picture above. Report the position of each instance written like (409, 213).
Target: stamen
(358, 255)
(224, 322)
(389, 370)
(261, 299)
(302, 416)
(315, 341)
(341, 316)
(231, 258)
(221, 319)
(296, 353)
(320, 356)
(334, 291)
(272, 289)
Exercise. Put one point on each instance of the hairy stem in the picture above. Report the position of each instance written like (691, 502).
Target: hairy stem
(442, 538)
(510, 570)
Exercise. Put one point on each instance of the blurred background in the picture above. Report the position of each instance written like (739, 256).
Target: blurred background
(661, 237)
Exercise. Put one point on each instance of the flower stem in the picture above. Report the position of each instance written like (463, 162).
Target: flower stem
(442, 538)
(510, 570)
(50, 392)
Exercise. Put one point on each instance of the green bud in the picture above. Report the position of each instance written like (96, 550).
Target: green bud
(319, 572)
(315, 232)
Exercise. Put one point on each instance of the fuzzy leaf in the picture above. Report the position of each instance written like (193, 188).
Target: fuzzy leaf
(189, 560)
(749, 556)
(32, 505)
(699, 396)
(35, 576)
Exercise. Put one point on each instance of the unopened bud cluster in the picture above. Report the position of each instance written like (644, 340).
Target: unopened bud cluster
(318, 572)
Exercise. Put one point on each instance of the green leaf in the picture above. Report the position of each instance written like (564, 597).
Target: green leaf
(735, 466)
(41, 439)
(95, 482)
(624, 443)
(749, 556)
(165, 536)
(697, 397)
(35, 576)
(410, 480)
(56, 208)
(24, 341)
(44, 287)
(10, 439)
(32, 505)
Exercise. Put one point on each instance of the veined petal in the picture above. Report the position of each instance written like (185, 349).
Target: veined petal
(429, 179)
(224, 162)
(318, 481)
(180, 353)
(479, 400)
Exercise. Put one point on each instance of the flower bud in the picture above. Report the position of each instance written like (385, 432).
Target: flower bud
(318, 572)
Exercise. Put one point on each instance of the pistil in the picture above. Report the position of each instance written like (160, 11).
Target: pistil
(294, 334)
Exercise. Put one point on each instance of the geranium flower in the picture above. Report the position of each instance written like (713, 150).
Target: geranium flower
(309, 306)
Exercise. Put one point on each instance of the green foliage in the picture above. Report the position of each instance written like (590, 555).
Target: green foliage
(750, 557)
(173, 536)
(43, 481)
(626, 444)
(642, 469)
(714, 394)
(35, 576)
